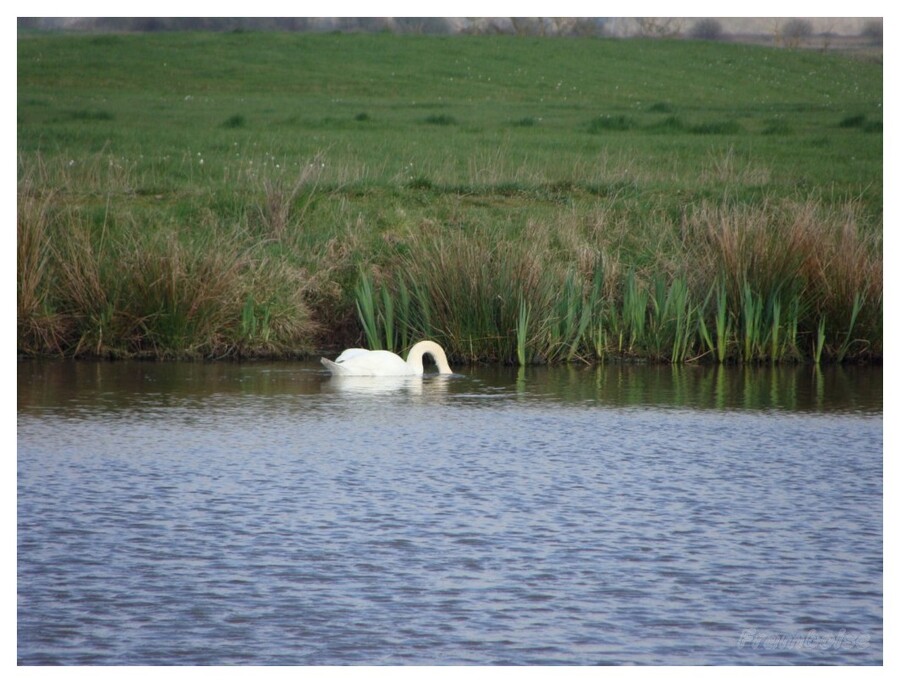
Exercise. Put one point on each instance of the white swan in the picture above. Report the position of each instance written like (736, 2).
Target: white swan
(365, 363)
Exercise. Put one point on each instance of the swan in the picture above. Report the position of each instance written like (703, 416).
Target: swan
(365, 363)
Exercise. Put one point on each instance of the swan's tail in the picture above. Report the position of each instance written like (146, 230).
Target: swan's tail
(333, 367)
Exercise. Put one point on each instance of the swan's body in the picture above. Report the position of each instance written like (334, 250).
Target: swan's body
(365, 363)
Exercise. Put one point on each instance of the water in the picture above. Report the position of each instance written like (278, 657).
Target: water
(268, 514)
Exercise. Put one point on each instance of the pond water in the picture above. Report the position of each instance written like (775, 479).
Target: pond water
(265, 513)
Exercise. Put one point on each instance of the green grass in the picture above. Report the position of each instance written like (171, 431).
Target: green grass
(330, 156)
(159, 100)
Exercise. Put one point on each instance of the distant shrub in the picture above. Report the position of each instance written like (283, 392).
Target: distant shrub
(525, 122)
(236, 121)
(88, 115)
(440, 120)
(420, 183)
(661, 108)
(777, 127)
(602, 124)
(670, 124)
(873, 127)
(706, 29)
(795, 32)
(659, 27)
(362, 116)
(860, 121)
(854, 121)
(716, 128)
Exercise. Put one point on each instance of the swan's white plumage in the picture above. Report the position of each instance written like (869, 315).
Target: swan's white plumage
(365, 363)
(350, 353)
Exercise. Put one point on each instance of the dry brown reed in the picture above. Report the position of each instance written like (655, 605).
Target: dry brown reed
(85, 290)
(39, 327)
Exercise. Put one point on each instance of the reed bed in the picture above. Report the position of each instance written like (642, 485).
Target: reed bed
(134, 290)
(767, 282)
(739, 284)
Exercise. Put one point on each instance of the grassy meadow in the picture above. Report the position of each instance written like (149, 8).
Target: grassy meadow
(518, 200)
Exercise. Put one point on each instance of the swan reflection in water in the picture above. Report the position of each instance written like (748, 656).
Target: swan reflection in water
(411, 385)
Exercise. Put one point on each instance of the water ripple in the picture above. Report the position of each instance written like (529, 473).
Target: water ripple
(426, 527)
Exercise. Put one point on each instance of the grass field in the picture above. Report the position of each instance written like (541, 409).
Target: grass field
(530, 200)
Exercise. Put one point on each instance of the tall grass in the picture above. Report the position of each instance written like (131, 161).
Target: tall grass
(366, 306)
(721, 323)
(281, 208)
(522, 332)
(120, 290)
(467, 292)
(38, 325)
(672, 320)
(748, 285)
(776, 281)
(785, 267)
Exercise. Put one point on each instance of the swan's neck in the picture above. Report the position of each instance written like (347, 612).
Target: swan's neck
(417, 352)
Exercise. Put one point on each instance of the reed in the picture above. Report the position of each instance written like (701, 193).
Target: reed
(118, 291)
(388, 319)
(783, 324)
(97, 282)
(792, 347)
(848, 337)
(750, 322)
(593, 326)
(255, 322)
(634, 313)
(671, 321)
(522, 332)
(683, 337)
(208, 300)
(721, 323)
(472, 291)
(88, 292)
(566, 322)
(39, 328)
(581, 284)
(599, 341)
(775, 335)
(819, 344)
(366, 305)
(589, 312)
(404, 315)
(485, 299)
(797, 259)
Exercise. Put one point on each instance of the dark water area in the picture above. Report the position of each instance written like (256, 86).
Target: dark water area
(266, 513)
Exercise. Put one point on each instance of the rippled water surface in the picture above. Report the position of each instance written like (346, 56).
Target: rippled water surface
(268, 514)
